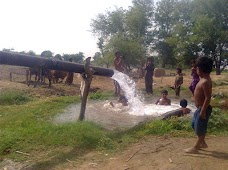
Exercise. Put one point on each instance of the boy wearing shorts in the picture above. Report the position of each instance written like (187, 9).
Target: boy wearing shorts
(202, 97)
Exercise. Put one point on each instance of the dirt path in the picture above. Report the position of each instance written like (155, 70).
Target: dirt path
(164, 153)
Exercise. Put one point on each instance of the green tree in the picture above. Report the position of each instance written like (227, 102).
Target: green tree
(132, 50)
(108, 24)
(58, 57)
(184, 49)
(164, 22)
(210, 30)
(126, 31)
(31, 53)
(78, 58)
(47, 54)
(139, 23)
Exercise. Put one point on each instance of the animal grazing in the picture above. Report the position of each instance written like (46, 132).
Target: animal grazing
(58, 74)
(40, 73)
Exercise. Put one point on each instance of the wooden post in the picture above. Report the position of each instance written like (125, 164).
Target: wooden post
(11, 76)
(26, 76)
(87, 79)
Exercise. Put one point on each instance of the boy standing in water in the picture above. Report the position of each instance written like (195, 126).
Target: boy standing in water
(202, 96)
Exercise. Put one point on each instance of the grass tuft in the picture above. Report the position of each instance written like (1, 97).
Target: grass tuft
(14, 97)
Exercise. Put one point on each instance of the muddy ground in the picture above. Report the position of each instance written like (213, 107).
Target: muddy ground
(152, 152)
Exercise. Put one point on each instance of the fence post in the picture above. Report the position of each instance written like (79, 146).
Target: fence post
(11, 78)
(27, 74)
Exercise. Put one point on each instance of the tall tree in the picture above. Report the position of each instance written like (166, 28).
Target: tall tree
(164, 25)
(184, 49)
(210, 30)
(139, 24)
(125, 31)
(108, 24)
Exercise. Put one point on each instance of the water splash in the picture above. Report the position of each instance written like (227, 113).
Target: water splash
(129, 88)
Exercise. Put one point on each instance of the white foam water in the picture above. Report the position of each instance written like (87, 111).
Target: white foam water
(135, 101)
(129, 88)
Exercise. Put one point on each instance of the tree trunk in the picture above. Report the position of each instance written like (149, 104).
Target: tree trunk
(218, 71)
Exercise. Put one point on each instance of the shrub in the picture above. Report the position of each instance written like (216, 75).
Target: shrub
(13, 97)
(218, 121)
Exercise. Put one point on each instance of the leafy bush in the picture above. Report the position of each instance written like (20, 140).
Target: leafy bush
(106, 143)
(217, 121)
(14, 97)
(95, 96)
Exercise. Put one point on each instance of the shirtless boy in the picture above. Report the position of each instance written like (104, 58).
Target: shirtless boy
(179, 112)
(119, 66)
(202, 96)
(164, 100)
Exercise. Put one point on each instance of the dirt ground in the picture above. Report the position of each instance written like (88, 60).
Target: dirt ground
(152, 152)
(163, 153)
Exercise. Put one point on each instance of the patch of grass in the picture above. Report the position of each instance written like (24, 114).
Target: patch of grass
(161, 127)
(218, 122)
(100, 96)
(14, 97)
(28, 127)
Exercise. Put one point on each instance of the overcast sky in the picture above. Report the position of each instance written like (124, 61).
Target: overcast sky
(61, 26)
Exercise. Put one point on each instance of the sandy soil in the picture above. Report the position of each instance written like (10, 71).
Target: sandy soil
(149, 153)
(163, 153)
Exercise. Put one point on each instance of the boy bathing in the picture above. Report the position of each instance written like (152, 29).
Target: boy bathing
(164, 100)
(179, 112)
(202, 97)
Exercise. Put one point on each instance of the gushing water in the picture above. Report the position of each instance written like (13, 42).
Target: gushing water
(137, 106)
(129, 88)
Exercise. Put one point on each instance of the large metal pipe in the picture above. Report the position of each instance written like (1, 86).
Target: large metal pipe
(18, 59)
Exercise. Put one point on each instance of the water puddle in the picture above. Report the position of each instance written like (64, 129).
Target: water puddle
(120, 116)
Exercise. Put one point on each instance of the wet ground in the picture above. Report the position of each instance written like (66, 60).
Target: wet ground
(101, 112)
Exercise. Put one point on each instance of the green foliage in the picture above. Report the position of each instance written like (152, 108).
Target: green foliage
(131, 49)
(14, 97)
(106, 143)
(160, 127)
(95, 96)
(47, 54)
(78, 58)
(126, 31)
(218, 121)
